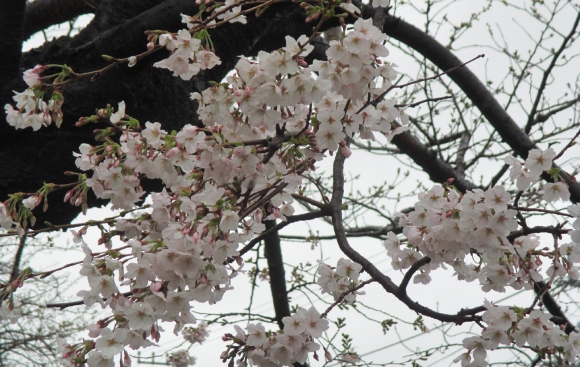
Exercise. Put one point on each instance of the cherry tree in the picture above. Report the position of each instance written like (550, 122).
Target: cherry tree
(206, 128)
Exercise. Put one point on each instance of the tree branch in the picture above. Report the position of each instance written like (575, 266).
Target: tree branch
(547, 72)
(273, 253)
(17, 260)
(376, 274)
(412, 270)
(476, 91)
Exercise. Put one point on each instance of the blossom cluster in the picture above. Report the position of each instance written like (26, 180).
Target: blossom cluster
(528, 172)
(450, 227)
(31, 110)
(280, 90)
(535, 330)
(180, 358)
(293, 344)
(264, 130)
(187, 57)
(337, 281)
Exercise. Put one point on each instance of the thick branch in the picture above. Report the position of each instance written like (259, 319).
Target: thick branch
(553, 307)
(426, 158)
(273, 254)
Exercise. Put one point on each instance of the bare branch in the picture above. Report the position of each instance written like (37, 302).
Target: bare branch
(547, 72)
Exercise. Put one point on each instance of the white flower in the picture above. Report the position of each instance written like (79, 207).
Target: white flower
(348, 7)
(539, 161)
(281, 355)
(132, 61)
(97, 359)
(477, 345)
(103, 284)
(223, 250)
(574, 210)
(31, 202)
(347, 268)
(293, 325)
(111, 342)
(257, 335)
(139, 316)
(180, 358)
(229, 221)
(154, 134)
(117, 116)
(313, 324)
(497, 198)
(555, 191)
(329, 135)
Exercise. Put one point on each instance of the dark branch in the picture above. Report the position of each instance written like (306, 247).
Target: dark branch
(273, 253)
(17, 259)
(412, 270)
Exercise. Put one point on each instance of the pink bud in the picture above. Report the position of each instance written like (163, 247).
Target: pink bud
(260, 167)
(157, 287)
(126, 358)
(150, 46)
(68, 195)
(82, 121)
(203, 279)
(46, 117)
(172, 152)
(67, 354)
(327, 355)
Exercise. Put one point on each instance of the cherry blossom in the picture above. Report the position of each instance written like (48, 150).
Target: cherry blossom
(539, 161)
(264, 128)
(556, 191)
